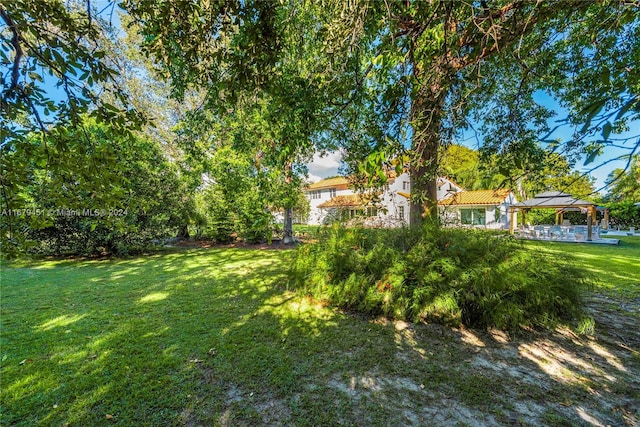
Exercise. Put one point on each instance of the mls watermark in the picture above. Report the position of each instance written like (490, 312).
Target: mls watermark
(65, 212)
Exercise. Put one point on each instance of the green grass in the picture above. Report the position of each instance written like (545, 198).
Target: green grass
(199, 335)
(306, 230)
(212, 337)
(616, 269)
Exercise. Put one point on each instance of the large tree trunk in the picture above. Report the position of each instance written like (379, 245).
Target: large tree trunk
(288, 226)
(183, 232)
(426, 119)
(287, 238)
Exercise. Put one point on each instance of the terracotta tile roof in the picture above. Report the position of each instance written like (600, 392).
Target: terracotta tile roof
(403, 194)
(339, 181)
(343, 201)
(480, 197)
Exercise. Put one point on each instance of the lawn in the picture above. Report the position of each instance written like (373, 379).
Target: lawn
(616, 269)
(213, 337)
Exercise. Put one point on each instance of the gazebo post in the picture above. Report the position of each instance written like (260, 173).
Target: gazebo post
(557, 216)
(590, 212)
(511, 210)
(605, 222)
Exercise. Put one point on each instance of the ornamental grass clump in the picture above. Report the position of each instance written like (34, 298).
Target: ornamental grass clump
(471, 277)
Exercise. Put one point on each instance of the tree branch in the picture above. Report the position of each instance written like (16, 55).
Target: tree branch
(15, 41)
(475, 36)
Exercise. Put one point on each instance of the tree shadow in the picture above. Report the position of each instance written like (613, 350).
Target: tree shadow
(213, 338)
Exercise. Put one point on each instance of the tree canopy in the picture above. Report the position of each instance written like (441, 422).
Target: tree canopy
(391, 83)
(624, 185)
(397, 71)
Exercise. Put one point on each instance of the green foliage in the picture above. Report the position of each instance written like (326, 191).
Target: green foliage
(624, 215)
(543, 171)
(237, 200)
(46, 43)
(109, 195)
(624, 185)
(548, 216)
(461, 276)
(215, 217)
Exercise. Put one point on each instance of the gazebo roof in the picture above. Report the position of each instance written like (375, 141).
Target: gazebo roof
(553, 199)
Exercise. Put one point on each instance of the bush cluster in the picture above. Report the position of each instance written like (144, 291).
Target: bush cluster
(624, 215)
(470, 277)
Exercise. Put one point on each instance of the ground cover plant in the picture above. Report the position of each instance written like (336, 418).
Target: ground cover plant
(212, 337)
(473, 277)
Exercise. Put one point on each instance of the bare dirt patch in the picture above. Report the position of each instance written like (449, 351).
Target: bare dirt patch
(209, 244)
(440, 376)
(550, 378)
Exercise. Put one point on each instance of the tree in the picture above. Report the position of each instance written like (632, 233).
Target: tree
(461, 164)
(487, 60)
(45, 45)
(139, 197)
(370, 76)
(265, 79)
(625, 185)
(551, 171)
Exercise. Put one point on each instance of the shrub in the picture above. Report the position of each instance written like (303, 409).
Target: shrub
(624, 214)
(439, 274)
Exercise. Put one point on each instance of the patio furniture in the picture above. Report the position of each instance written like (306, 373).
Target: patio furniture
(570, 233)
(556, 233)
(528, 232)
(561, 202)
(580, 233)
(538, 231)
(522, 232)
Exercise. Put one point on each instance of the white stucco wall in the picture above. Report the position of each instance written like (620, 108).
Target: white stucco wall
(316, 215)
(451, 214)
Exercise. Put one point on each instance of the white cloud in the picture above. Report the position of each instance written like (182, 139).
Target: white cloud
(325, 166)
(313, 178)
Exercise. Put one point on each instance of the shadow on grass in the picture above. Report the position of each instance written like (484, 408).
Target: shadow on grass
(212, 338)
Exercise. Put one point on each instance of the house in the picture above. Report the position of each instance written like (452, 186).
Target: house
(482, 208)
(324, 191)
(332, 199)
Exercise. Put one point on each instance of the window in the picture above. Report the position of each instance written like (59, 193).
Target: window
(405, 185)
(473, 216)
(401, 212)
(316, 194)
(349, 213)
(371, 211)
(332, 193)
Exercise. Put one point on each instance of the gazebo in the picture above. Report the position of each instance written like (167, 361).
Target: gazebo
(561, 202)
